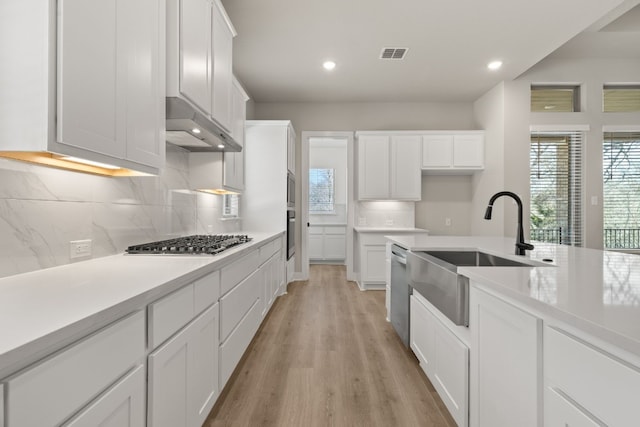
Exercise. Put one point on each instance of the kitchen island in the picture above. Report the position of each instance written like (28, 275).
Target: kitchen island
(554, 343)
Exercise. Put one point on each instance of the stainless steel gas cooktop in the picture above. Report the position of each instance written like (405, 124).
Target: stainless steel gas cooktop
(200, 244)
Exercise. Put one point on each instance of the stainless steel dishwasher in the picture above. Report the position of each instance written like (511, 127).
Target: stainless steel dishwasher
(399, 297)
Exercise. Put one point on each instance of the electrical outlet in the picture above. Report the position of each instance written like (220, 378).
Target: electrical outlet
(79, 248)
(362, 221)
(447, 222)
(388, 222)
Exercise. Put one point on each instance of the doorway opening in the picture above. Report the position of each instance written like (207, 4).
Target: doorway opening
(327, 196)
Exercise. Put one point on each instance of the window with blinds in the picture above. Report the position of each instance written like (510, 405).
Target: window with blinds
(555, 98)
(556, 187)
(620, 98)
(230, 205)
(321, 190)
(621, 190)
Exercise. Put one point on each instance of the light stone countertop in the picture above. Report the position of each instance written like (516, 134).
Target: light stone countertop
(45, 310)
(389, 230)
(597, 292)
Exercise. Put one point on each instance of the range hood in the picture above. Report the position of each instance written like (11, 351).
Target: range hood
(187, 127)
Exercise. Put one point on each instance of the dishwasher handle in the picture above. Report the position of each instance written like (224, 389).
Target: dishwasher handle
(400, 259)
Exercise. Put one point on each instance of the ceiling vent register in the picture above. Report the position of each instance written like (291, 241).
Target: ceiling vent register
(396, 53)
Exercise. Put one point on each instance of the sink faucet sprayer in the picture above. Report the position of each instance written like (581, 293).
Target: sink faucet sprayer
(521, 245)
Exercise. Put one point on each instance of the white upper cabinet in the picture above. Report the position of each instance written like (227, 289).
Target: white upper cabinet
(102, 62)
(453, 152)
(389, 167)
(199, 57)
(291, 150)
(194, 44)
(234, 162)
(222, 34)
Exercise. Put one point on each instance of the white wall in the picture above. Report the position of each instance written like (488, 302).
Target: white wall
(504, 112)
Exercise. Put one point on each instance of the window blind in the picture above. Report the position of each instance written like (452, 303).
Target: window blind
(230, 205)
(621, 190)
(556, 187)
(321, 190)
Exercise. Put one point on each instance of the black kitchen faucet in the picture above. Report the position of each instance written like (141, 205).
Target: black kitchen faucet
(521, 245)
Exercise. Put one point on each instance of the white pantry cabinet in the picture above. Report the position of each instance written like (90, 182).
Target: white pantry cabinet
(199, 56)
(389, 166)
(121, 406)
(443, 357)
(453, 152)
(183, 374)
(505, 380)
(92, 77)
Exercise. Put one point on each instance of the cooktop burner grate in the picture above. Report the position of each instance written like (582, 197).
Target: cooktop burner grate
(199, 244)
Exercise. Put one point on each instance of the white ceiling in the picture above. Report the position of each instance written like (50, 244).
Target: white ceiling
(281, 45)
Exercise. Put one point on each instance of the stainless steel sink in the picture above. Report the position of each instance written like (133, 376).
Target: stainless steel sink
(435, 275)
(475, 258)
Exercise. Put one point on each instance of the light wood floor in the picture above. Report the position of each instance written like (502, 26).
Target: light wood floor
(326, 356)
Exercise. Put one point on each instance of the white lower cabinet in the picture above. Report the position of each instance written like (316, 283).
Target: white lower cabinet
(183, 374)
(577, 375)
(121, 406)
(327, 243)
(443, 358)
(52, 391)
(505, 380)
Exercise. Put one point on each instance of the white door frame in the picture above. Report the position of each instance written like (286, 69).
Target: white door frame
(304, 206)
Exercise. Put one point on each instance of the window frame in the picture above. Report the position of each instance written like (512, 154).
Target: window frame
(332, 197)
(576, 96)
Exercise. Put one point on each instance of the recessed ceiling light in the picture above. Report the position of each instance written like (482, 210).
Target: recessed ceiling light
(220, 145)
(195, 130)
(329, 65)
(494, 65)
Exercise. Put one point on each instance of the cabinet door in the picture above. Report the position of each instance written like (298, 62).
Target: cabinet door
(422, 335)
(468, 151)
(373, 167)
(121, 406)
(195, 52)
(505, 380)
(222, 69)
(335, 246)
(183, 375)
(316, 247)
(142, 23)
(233, 170)
(373, 265)
(291, 150)
(239, 112)
(406, 177)
(437, 151)
(89, 67)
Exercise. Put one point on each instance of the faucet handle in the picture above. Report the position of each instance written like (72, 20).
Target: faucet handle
(524, 245)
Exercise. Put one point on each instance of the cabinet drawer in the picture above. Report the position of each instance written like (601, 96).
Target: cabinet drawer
(206, 292)
(169, 314)
(236, 303)
(558, 411)
(268, 250)
(233, 348)
(58, 387)
(123, 405)
(582, 372)
(233, 274)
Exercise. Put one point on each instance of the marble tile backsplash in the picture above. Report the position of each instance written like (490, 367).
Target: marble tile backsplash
(385, 214)
(43, 209)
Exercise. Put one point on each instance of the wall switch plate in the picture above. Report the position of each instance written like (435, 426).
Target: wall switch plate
(362, 221)
(447, 222)
(79, 248)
